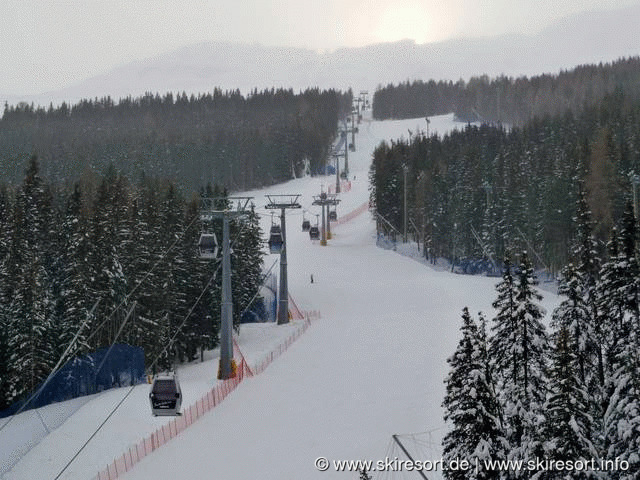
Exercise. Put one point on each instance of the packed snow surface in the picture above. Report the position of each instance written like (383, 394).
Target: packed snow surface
(372, 366)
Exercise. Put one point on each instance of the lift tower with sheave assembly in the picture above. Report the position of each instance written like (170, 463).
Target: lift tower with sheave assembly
(283, 202)
(213, 209)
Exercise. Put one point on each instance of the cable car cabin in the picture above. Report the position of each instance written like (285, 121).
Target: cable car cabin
(333, 216)
(208, 246)
(314, 233)
(165, 395)
(306, 225)
(275, 242)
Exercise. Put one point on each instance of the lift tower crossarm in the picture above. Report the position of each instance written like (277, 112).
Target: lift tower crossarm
(212, 209)
(283, 202)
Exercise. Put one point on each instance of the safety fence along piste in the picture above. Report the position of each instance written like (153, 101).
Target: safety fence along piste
(353, 214)
(162, 435)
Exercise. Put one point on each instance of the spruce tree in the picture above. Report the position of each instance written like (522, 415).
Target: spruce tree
(629, 263)
(364, 475)
(107, 279)
(622, 416)
(612, 324)
(573, 315)
(6, 282)
(73, 292)
(518, 351)
(471, 405)
(32, 339)
(246, 263)
(568, 425)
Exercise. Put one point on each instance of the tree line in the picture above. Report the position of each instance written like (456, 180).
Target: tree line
(569, 397)
(475, 193)
(107, 258)
(242, 142)
(508, 100)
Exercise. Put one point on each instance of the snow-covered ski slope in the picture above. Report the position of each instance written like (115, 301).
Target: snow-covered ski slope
(372, 366)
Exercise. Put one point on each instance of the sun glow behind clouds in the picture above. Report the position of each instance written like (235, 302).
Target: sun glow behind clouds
(406, 21)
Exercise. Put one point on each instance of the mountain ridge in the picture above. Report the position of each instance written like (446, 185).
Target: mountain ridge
(588, 37)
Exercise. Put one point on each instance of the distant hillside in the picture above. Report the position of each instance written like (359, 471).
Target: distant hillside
(511, 100)
(580, 39)
(241, 142)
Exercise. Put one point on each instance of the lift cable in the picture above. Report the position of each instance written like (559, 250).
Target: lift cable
(153, 363)
(143, 279)
(53, 372)
(128, 391)
(99, 328)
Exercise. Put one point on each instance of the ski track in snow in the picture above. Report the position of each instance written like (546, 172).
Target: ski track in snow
(372, 366)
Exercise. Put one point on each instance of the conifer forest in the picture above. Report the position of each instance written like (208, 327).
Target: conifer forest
(100, 220)
(551, 195)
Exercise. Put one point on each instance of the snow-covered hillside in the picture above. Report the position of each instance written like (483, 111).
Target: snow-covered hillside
(589, 37)
(372, 366)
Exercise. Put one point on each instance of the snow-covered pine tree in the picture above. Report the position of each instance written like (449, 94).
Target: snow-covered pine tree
(611, 326)
(200, 330)
(622, 416)
(533, 348)
(148, 273)
(586, 249)
(171, 228)
(5, 292)
(503, 339)
(246, 262)
(73, 289)
(471, 406)
(573, 315)
(568, 425)
(518, 351)
(364, 475)
(630, 270)
(586, 252)
(107, 279)
(32, 340)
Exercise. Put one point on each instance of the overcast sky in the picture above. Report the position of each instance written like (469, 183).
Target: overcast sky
(50, 44)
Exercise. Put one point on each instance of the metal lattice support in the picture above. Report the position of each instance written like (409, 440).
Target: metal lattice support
(283, 202)
(223, 208)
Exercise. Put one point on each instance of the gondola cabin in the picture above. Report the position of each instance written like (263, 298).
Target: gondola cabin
(165, 395)
(314, 233)
(275, 242)
(208, 246)
(333, 215)
(306, 225)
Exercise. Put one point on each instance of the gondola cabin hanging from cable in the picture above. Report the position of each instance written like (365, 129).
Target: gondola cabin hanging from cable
(314, 233)
(208, 246)
(275, 238)
(165, 395)
(275, 242)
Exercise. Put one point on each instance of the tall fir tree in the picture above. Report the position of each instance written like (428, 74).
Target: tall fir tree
(573, 315)
(32, 339)
(6, 234)
(107, 279)
(518, 350)
(622, 416)
(246, 263)
(568, 424)
(471, 406)
(73, 292)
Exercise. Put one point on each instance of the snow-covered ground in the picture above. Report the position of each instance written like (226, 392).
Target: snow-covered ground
(372, 366)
